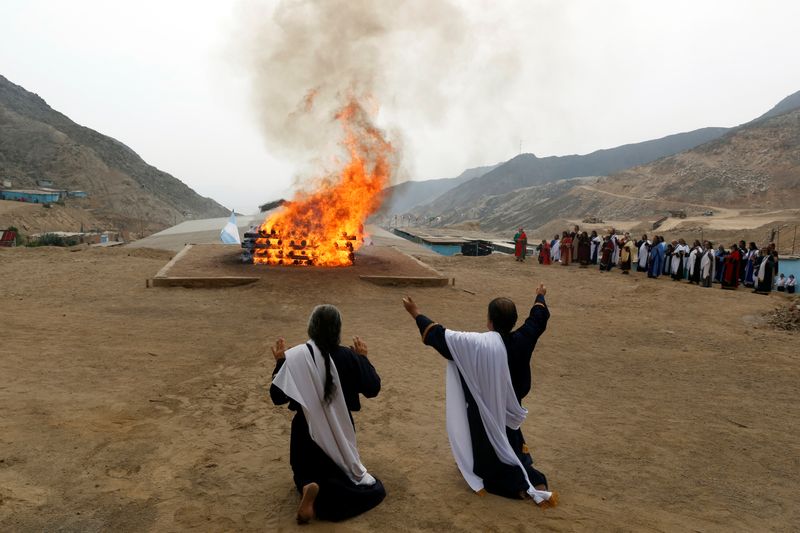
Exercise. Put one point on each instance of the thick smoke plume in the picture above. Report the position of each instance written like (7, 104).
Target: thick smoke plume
(312, 58)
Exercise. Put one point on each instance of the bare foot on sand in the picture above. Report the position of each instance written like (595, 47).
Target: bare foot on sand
(305, 512)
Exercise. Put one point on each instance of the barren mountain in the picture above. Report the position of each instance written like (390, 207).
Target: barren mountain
(753, 167)
(527, 170)
(405, 196)
(37, 142)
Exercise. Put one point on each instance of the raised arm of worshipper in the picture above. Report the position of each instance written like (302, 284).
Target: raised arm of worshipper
(279, 353)
(432, 333)
(536, 323)
(369, 382)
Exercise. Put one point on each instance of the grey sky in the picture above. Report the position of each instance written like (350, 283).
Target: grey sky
(170, 79)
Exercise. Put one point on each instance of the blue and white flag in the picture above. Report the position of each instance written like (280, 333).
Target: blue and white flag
(230, 233)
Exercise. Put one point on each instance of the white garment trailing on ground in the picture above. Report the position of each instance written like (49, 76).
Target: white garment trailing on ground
(481, 359)
(329, 425)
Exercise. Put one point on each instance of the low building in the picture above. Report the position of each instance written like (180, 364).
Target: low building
(44, 183)
(77, 194)
(30, 195)
(62, 193)
(6, 184)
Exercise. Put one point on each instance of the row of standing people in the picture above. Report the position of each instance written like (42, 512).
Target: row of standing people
(701, 263)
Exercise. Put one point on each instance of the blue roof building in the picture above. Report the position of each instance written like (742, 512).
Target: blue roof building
(29, 195)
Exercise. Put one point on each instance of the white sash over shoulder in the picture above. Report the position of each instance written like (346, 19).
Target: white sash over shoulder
(481, 359)
(302, 378)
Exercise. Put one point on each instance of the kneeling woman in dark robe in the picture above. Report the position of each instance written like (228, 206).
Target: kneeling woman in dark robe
(321, 381)
(488, 375)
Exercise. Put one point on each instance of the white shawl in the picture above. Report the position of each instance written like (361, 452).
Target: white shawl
(481, 359)
(596, 243)
(762, 270)
(677, 259)
(707, 265)
(329, 425)
(693, 259)
(555, 251)
(643, 254)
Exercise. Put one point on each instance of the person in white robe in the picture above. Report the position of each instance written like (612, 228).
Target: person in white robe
(644, 253)
(680, 254)
(597, 242)
(555, 249)
(615, 242)
(708, 265)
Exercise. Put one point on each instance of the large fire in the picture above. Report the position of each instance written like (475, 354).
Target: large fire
(325, 227)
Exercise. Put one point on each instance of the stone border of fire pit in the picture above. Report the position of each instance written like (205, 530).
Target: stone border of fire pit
(436, 280)
(161, 279)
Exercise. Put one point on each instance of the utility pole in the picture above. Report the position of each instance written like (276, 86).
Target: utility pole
(794, 238)
(520, 147)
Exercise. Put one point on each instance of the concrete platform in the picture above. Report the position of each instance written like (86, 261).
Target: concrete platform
(219, 265)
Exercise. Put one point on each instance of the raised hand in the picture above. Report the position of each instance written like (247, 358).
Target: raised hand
(410, 306)
(359, 346)
(279, 350)
(541, 290)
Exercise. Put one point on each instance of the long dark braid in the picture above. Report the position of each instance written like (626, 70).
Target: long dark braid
(324, 328)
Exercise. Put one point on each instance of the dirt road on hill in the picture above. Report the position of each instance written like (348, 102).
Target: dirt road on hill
(656, 406)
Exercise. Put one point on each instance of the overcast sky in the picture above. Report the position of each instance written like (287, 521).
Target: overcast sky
(168, 78)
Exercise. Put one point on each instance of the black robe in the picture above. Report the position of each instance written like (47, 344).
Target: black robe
(498, 477)
(338, 498)
(765, 286)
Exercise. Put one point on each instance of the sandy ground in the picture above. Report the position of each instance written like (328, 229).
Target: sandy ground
(656, 406)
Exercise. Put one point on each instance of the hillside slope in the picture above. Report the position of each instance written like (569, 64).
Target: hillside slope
(527, 170)
(753, 167)
(405, 196)
(37, 142)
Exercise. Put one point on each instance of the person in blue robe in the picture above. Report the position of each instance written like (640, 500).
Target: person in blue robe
(721, 254)
(656, 263)
(751, 259)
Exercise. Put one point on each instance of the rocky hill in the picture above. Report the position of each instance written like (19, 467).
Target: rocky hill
(527, 170)
(37, 142)
(756, 166)
(403, 197)
(789, 103)
(753, 167)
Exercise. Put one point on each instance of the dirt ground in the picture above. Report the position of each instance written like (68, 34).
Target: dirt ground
(656, 406)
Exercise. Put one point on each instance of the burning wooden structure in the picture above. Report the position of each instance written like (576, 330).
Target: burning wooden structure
(271, 247)
(323, 225)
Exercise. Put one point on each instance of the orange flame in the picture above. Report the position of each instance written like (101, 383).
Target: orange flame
(325, 227)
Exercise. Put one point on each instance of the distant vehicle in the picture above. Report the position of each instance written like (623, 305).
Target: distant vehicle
(477, 248)
(708, 214)
(658, 222)
(678, 214)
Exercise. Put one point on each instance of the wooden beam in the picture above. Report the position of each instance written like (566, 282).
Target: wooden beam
(202, 282)
(163, 272)
(405, 281)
